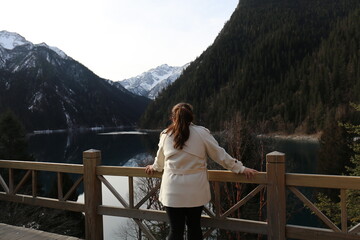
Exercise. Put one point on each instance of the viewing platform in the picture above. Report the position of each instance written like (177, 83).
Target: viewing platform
(8, 232)
(274, 185)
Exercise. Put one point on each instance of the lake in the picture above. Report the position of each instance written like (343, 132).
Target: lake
(129, 148)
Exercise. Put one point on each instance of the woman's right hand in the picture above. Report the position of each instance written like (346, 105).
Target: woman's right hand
(149, 169)
(250, 173)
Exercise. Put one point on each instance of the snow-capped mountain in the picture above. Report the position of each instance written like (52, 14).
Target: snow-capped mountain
(150, 83)
(14, 47)
(47, 89)
(10, 40)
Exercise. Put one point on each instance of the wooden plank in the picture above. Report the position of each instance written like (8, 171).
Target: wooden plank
(243, 200)
(323, 181)
(276, 201)
(34, 183)
(114, 192)
(43, 202)
(217, 199)
(150, 193)
(208, 212)
(318, 213)
(233, 224)
(228, 176)
(60, 185)
(148, 214)
(93, 196)
(344, 227)
(147, 232)
(306, 233)
(11, 181)
(34, 235)
(355, 229)
(11, 232)
(4, 185)
(208, 233)
(125, 171)
(214, 175)
(131, 192)
(8, 232)
(73, 188)
(42, 166)
(23, 180)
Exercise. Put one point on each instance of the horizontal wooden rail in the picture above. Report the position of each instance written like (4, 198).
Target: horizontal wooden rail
(214, 175)
(125, 171)
(43, 166)
(43, 202)
(322, 181)
(232, 224)
(292, 179)
(306, 233)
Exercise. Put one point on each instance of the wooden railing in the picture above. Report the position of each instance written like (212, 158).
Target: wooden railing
(275, 181)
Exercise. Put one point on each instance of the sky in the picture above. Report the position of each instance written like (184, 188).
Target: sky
(119, 39)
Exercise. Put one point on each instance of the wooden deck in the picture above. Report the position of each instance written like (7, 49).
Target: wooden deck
(8, 232)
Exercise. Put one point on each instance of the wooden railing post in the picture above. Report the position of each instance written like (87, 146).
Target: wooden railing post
(276, 202)
(93, 195)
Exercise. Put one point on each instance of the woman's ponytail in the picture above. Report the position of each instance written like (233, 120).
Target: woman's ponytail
(182, 116)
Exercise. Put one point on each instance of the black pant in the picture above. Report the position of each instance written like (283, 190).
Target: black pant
(179, 216)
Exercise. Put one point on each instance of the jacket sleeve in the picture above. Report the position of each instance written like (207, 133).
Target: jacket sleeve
(219, 155)
(159, 162)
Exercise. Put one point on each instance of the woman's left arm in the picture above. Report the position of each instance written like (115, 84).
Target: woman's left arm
(159, 162)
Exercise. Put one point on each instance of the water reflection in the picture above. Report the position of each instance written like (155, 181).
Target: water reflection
(113, 224)
(301, 155)
(128, 148)
(67, 147)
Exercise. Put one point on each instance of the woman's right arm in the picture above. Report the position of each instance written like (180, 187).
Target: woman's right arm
(219, 155)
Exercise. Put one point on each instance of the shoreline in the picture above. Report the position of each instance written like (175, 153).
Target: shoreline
(296, 137)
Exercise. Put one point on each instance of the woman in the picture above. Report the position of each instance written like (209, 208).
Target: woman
(182, 154)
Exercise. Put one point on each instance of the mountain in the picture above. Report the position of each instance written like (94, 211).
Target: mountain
(150, 83)
(47, 89)
(288, 66)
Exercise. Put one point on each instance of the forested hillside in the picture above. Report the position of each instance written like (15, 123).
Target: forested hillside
(287, 65)
(46, 89)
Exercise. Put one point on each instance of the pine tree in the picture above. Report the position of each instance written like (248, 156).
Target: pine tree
(326, 203)
(13, 144)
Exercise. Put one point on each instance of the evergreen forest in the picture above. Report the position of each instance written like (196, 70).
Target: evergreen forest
(289, 66)
(14, 146)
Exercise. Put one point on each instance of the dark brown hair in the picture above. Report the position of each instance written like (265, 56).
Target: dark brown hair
(181, 116)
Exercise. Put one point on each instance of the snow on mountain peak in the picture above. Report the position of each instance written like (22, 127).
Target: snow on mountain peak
(55, 49)
(150, 83)
(58, 51)
(10, 40)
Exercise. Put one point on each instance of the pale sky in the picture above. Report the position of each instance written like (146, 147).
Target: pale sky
(118, 39)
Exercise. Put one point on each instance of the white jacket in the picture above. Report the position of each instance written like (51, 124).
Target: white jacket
(184, 181)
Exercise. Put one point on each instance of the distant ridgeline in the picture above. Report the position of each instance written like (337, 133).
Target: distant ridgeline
(46, 89)
(289, 65)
